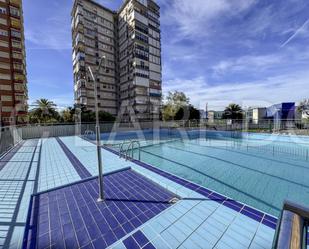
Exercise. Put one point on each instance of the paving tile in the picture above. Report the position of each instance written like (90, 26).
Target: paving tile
(74, 211)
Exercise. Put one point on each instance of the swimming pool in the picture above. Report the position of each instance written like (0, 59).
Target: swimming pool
(260, 170)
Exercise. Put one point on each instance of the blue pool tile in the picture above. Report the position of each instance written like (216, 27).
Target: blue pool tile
(217, 197)
(128, 227)
(269, 224)
(233, 205)
(149, 246)
(110, 238)
(131, 200)
(44, 241)
(140, 238)
(130, 243)
(89, 246)
(203, 191)
(119, 232)
(254, 211)
(251, 215)
(270, 218)
(99, 243)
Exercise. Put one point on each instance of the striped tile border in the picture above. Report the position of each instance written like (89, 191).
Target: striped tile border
(79, 167)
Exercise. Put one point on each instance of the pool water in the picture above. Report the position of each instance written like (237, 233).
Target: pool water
(258, 170)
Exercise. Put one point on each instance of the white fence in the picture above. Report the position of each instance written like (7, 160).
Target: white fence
(12, 135)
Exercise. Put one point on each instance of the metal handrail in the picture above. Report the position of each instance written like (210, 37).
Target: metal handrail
(121, 150)
(291, 230)
(139, 149)
(88, 132)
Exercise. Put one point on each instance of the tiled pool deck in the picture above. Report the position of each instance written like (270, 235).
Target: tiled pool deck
(200, 219)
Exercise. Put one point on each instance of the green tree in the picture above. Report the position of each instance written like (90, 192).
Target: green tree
(188, 112)
(67, 115)
(44, 112)
(233, 111)
(303, 107)
(174, 101)
(177, 98)
(70, 113)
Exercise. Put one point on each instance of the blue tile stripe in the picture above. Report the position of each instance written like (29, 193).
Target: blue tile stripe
(79, 167)
(248, 211)
(138, 240)
(30, 234)
(9, 155)
(70, 217)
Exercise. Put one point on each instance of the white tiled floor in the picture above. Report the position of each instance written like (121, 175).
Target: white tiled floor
(16, 187)
(87, 155)
(55, 168)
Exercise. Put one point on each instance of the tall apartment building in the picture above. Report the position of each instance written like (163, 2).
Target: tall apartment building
(130, 85)
(13, 89)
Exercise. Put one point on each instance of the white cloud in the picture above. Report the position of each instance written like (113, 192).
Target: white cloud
(303, 30)
(247, 63)
(195, 17)
(264, 92)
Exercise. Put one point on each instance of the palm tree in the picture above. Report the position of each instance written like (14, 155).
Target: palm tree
(303, 106)
(233, 111)
(44, 111)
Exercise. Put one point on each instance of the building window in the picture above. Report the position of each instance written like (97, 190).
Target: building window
(4, 65)
(19, 87)
(3, 32)
(14, 11)
(6, 98)
(4, 44)
(2, 10)
(7, 109)
(18, 66)
(19, 97)
(16, 44)
(17, 55)
(4, 76)
(5, 87)
(15, 33)
(3, 21)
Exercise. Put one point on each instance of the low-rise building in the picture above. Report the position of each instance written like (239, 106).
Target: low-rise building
(214, 115)
(256, 114)
(282, 111)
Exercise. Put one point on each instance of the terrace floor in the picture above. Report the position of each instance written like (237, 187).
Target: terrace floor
(61, 173)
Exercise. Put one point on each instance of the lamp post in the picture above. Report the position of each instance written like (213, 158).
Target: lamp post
(98, 142)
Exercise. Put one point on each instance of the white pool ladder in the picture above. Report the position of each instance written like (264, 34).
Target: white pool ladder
(125, 154)
(89, 132)
(121, 148)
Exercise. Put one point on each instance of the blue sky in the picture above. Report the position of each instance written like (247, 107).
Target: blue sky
(252, 52)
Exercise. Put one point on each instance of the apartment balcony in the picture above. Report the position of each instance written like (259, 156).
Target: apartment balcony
(155, 94)
(16, 3)
(15, 23)
(80, 47)
(19, 77)
(156, 87)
